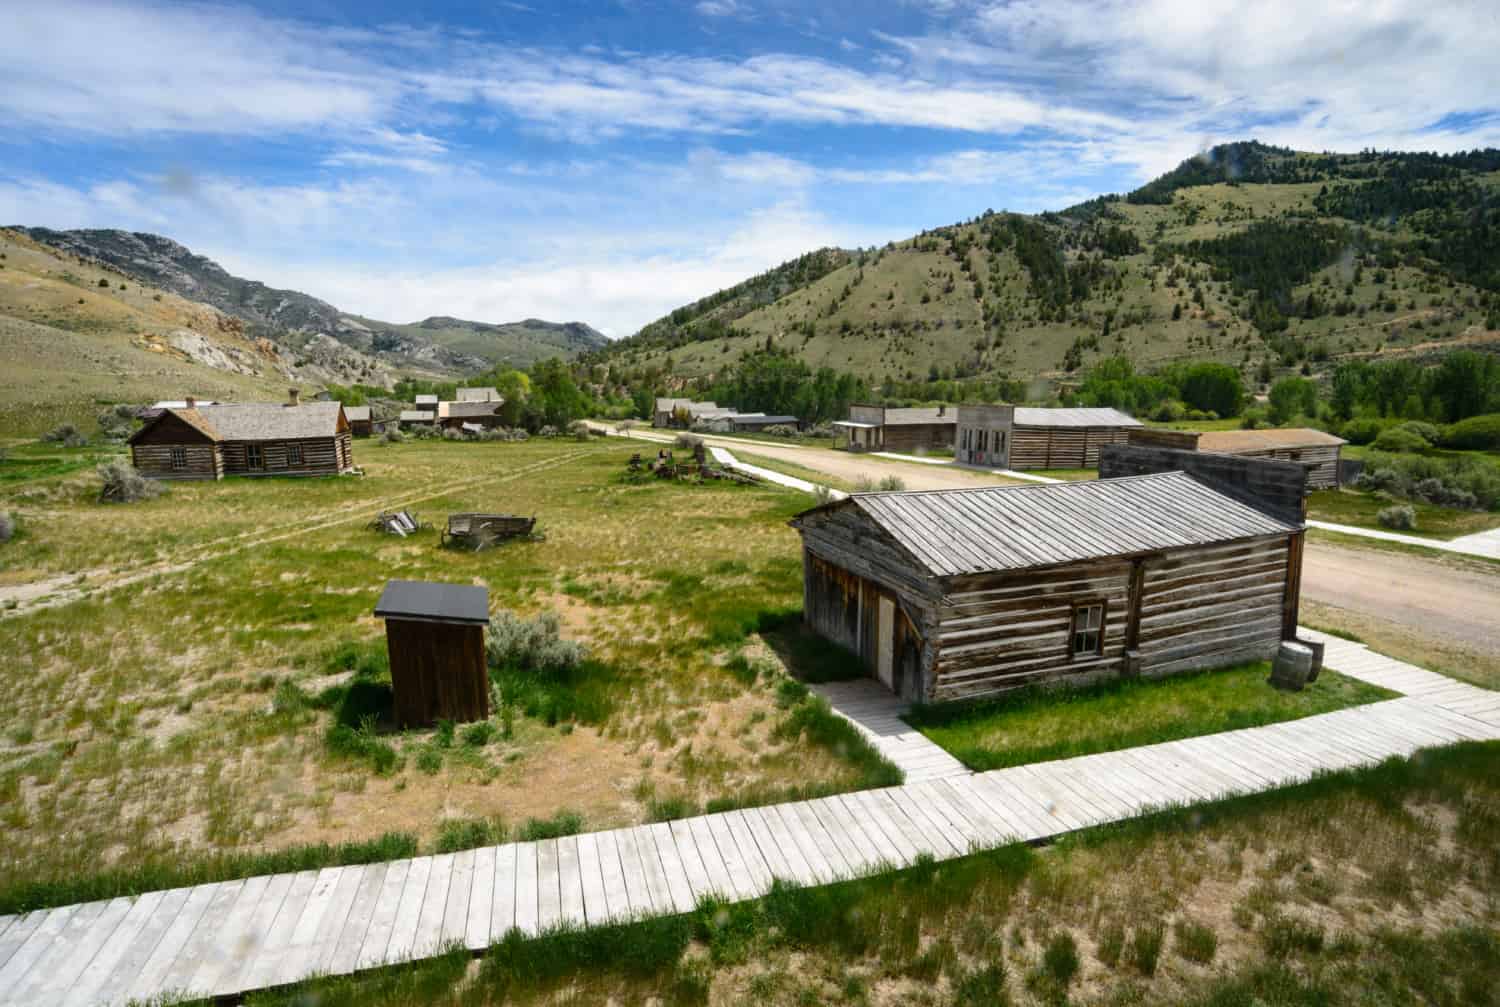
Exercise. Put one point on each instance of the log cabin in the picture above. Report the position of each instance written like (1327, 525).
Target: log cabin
(245, 439)
(1022, 437)
(954, 594)
(456, 415)
(910, 430)
(1317, 450)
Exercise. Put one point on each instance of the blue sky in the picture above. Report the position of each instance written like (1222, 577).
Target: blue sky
(608, 161)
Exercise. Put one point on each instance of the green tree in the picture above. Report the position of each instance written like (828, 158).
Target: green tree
(1292, 397)
(1213, 387)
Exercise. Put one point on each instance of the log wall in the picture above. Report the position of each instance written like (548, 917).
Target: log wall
(1002, 632)
(1273, 487)
(909, 437)
(155, 461)
(1321, 462)
(1062, 447)
(1212, 606)
(321, 456)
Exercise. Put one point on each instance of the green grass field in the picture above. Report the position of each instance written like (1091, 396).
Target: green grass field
(172, 710)
(1361, 510)
(1038, 725)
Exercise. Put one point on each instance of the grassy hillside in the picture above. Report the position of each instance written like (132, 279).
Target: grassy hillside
(76, 337)
(1248, 254)
(517, 344)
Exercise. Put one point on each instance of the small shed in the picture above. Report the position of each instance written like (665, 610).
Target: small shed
(953, 594)
(1315, 449)
(359, 420)
(434, 634)
(1025, 437)
(459, 414)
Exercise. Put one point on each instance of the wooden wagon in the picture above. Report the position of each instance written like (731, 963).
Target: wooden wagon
(476, 531)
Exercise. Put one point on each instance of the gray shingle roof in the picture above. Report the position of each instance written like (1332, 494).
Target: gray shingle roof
(267, 421)
(353, 413)
(480, 394)
(417, 416)
(954, 532)
(1028, 416)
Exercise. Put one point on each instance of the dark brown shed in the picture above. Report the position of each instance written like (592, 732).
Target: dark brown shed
(435, 636)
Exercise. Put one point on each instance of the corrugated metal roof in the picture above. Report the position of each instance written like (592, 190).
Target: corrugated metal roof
(1028, 416)
(952, 532)
(1231, 441)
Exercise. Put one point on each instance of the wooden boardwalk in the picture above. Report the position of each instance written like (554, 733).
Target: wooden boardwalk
(229, 937)
(876, 712)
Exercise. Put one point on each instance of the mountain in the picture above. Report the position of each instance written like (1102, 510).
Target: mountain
(1247, 253)
(294, 320)
(76, 336)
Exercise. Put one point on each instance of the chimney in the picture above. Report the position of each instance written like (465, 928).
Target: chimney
(192, 403)
(293, 395)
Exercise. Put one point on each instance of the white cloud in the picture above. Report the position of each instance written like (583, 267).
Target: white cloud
(719, 8)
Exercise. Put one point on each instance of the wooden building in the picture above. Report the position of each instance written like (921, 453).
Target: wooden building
(456, 415)
(953, 594)
(426, 403)
(905, 429)
(417, 418)
(1022, 437)
(682, 414)
(479, 394)
(435, 637)
(360, 422)
(742, 423)
(1316, 450)
(245, 439)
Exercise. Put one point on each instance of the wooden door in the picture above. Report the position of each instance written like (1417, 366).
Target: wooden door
(885, 643)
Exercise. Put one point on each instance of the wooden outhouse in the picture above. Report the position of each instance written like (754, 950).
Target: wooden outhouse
(244, 439)
(953, 594)
(1023, 437)
(435, 637)
(360, 423)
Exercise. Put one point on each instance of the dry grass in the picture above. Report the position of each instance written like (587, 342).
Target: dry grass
(169, 706)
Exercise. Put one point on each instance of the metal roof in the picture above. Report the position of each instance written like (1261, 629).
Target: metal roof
(426, 400)
(430, 601)
(478, 394)
(904, 416)
(763, 418)
(353, 413)
(1028, 416)
(1232, 441)
(458, 410)
(417, 416)
(991, 528)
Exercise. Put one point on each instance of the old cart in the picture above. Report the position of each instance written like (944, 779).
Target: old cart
(476, 531)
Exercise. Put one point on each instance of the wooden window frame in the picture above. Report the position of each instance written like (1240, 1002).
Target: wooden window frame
(1102, 604)
(255, 456)
(293, 454)
(178, 458)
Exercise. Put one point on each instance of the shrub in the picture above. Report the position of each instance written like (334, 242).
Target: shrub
(579, 430)
(547, 431)
(121, 483)
(822, 495)
(1477, 433)
(1145, 948)
(1169, 411)
(1111, 944)
(392, 436)
(449, 434)
(63, 433)
(1399, 439)
(531, 644)
(422, 432)
(1427, 431)
(1254, 417)
(891, 484)
(1195, 942)
(780, 430)
(1363, 430)
(1060, 959)
(687, 442)
(7, 526)
(1400, 517)
(479, 734)
(1282, 935)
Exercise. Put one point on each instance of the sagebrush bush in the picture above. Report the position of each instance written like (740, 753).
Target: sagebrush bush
(1464, 481)
(392, 436)
(121, 483)
(1427, 431)
(531, 644)
(891, 484)
(780, 430)
(687, 442)
(449, 434)
(1400, 517)
(547, 431)
(579, 430)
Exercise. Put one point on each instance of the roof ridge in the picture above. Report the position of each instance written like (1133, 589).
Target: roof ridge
(1024, 486)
